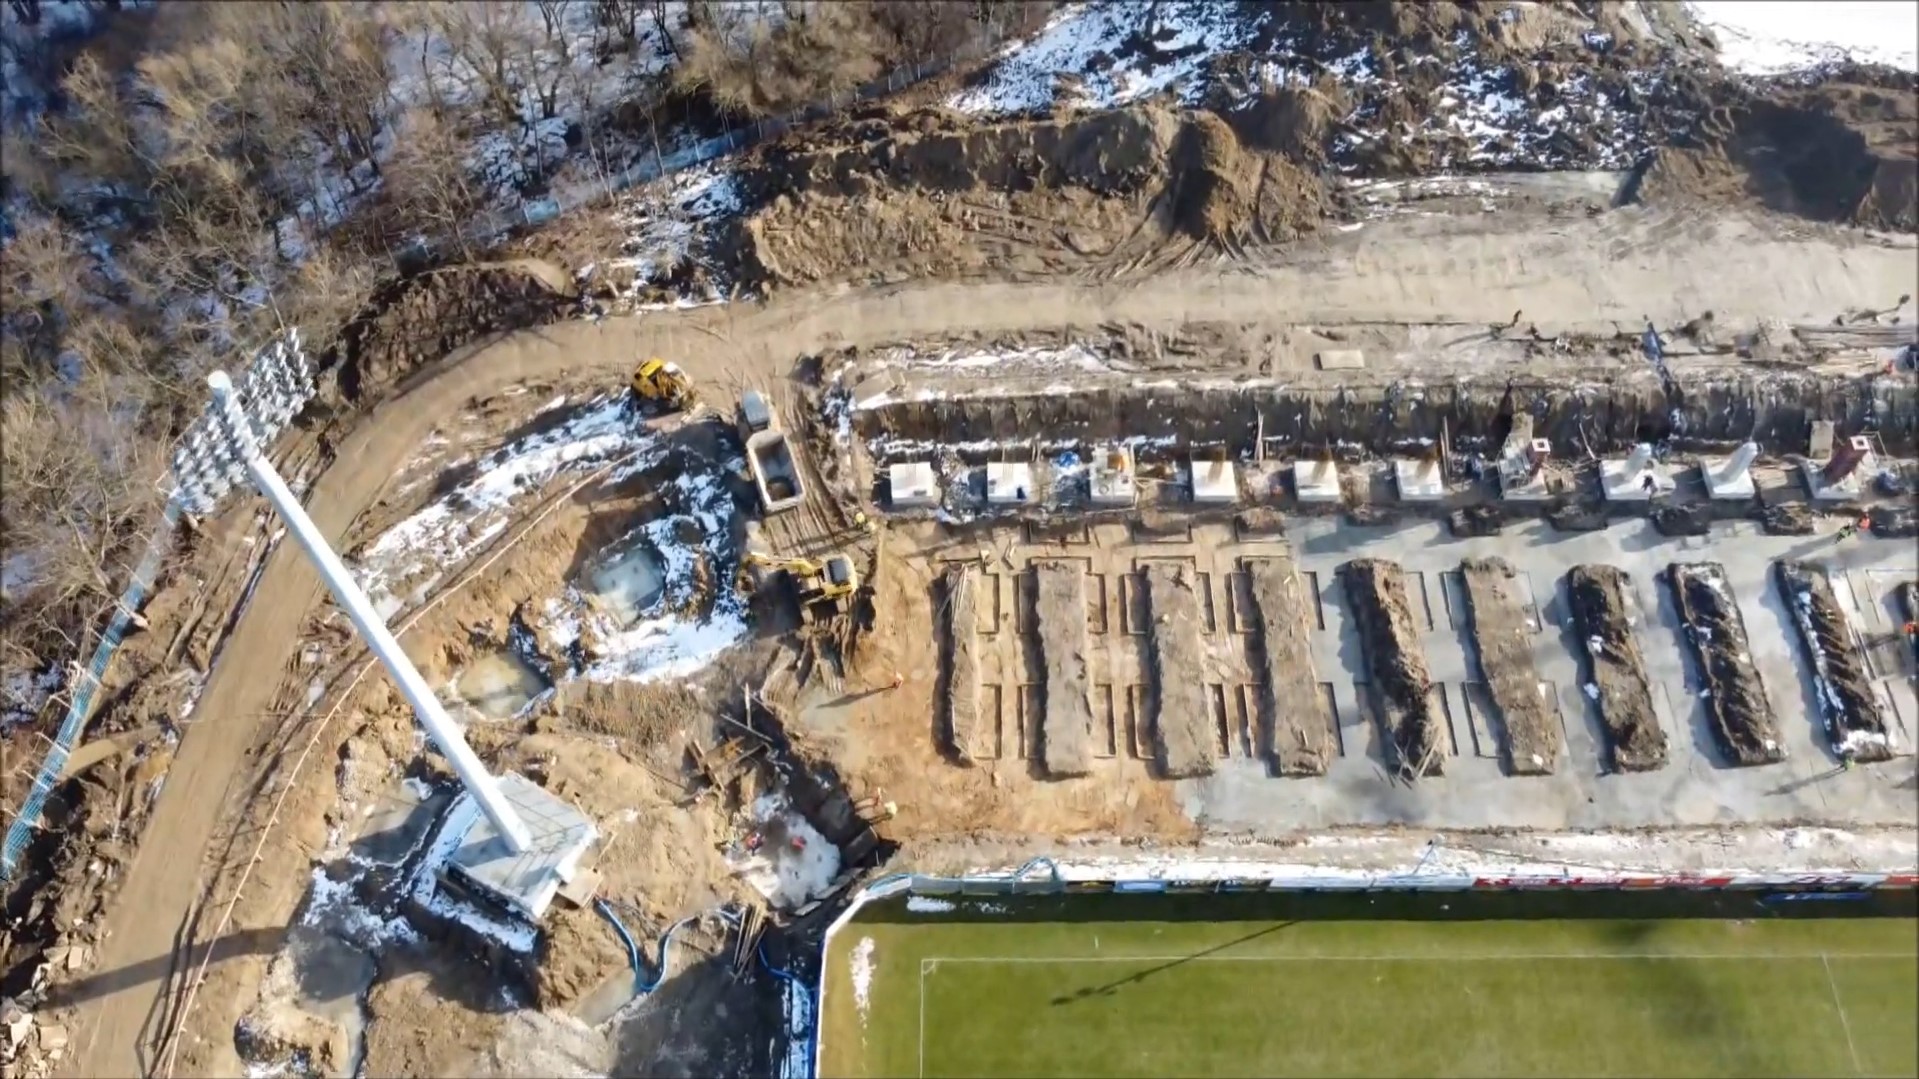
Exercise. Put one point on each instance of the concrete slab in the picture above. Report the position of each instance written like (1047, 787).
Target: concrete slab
(1009, 483)
(1419, 480)
(1848, 488)
(1316, 481)
(1215, 483)
(1724, 482)
(1342, 359)
(912, 485)
(1635, 478)
(529, 880)
(1245, 796)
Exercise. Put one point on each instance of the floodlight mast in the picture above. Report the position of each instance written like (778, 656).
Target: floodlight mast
(234, 429)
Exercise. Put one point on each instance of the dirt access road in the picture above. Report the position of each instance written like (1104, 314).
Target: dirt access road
(1618, 267)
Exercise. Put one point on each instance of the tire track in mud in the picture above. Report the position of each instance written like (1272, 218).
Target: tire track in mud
(1470, 278)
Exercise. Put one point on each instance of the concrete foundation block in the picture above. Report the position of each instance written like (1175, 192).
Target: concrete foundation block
(1316, 481)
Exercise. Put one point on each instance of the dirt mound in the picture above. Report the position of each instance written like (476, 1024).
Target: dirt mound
(1213, 181)
(928, 193)
(415, 320)
(1401, 687)
(1842, 151)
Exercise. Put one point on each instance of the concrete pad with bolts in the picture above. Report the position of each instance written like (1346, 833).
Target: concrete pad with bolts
(912, 485)
(527, 881)
(1316, 481)
(1419, 480)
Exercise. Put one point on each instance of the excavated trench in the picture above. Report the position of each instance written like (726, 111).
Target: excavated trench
(1735, 697)
(1854, 724)
(1700, 412)
(1401, 686)
(1615, 672)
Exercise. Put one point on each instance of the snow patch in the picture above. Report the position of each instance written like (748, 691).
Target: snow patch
(862, 969)
(1778, 36)
(453, 527)
(789, 862)
(1114, 54)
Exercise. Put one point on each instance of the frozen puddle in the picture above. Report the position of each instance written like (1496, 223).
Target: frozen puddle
(629, 584)
(500, 684)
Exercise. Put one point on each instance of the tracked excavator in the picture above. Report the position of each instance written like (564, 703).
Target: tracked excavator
(822, 589)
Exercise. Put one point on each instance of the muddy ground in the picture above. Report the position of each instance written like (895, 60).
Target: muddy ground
(1065, 726)
(1616, 672)
(1400, 688)
(1854, 723)
(959, 609)
(1184, 740)
(1296, 732)
(895, 192)
(1742, 716)
(887, 196)
(1503, 635)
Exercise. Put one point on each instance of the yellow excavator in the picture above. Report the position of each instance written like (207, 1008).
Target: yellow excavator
(821, 589)
(664, 385)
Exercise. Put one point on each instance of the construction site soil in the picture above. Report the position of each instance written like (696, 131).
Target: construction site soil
(1296, 732)
(1503, 644)
(1399, 687)
(243, 739)
(1851, 712)
(1735, 696)
(1599, 596)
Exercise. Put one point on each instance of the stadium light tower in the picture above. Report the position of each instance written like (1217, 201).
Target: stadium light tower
(505, 834)
(236, 436)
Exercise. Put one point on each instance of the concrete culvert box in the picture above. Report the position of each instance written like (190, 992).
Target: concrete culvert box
(912, 486)
(775, 470)
(1215, 483)
(1009, 483)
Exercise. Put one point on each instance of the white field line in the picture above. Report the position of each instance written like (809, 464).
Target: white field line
(1845, 1024)
(928, 962)
(922, 1038)
(366, 663)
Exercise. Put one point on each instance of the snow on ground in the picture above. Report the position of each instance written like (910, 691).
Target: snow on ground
(664, 221)
(862, 962)
(679, 632)
(1352, 857)
(1481, 120)
(446, 532)
(1119, 52)
(1775, 36)
(791, 863)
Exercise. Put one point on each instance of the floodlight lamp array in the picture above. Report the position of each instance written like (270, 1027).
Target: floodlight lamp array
(210, 459)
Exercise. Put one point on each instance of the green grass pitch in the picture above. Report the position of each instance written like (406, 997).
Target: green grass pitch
(1747, 991)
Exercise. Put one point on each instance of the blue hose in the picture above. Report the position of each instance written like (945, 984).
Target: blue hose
(642, 987)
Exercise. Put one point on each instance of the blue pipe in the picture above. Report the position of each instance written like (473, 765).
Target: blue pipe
(640, 986)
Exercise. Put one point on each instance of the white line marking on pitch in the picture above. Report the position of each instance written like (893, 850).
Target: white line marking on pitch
(1844, 1023)
(1490, 957)
(922, 1036)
